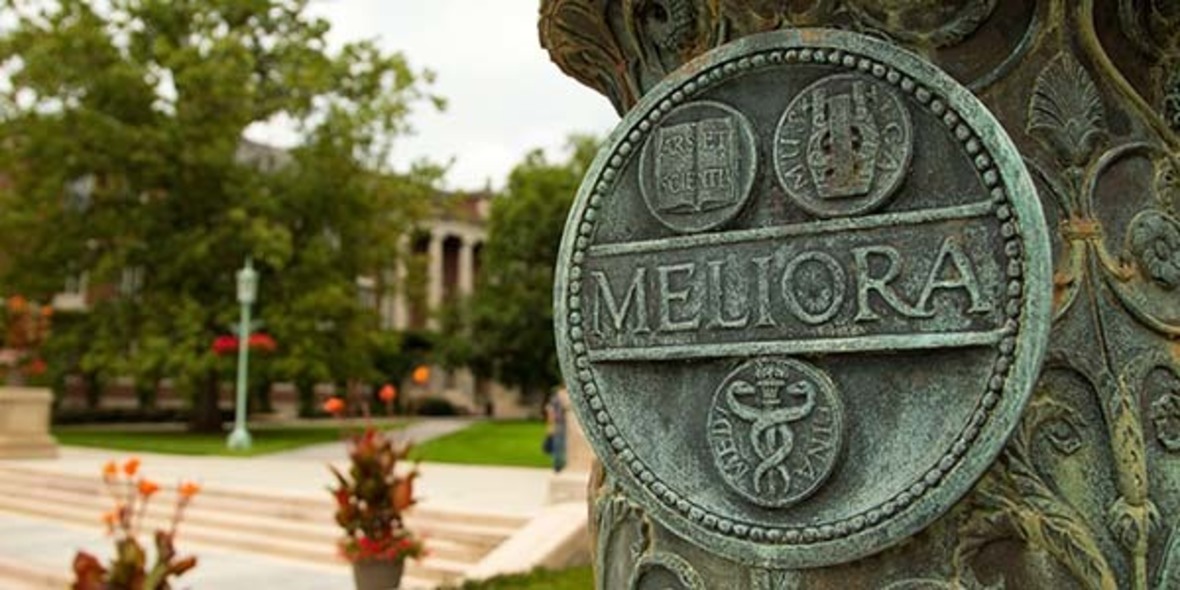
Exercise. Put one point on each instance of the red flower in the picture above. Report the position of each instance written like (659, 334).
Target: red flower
(36, 367)
(226, 344)
(368, 547)
(261, 341)
(387, 393)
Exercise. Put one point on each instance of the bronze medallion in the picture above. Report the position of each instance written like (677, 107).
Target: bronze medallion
(792, 253)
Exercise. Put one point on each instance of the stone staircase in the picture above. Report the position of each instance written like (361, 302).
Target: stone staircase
(288, 527)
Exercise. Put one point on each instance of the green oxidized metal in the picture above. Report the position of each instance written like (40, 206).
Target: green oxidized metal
(802, 297)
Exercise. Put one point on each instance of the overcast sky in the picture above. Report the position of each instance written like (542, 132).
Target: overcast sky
(504, 95)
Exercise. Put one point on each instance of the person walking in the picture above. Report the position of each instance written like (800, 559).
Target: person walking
(555, 429)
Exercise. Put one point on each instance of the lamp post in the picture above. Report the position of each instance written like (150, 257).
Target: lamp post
(239, 439)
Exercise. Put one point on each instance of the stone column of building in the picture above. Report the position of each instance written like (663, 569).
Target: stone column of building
(401, 309)
(1083, 493)
(434, 293)
(466, 265)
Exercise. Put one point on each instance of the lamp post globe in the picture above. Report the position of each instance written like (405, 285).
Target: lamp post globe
(247, 284)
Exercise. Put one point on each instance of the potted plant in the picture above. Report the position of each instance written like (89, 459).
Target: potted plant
(129, 570)
(370, 499)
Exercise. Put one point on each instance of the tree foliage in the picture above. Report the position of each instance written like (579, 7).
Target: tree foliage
(510, 317)
(121, 135)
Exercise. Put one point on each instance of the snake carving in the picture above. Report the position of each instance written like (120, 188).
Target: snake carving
(770, 429)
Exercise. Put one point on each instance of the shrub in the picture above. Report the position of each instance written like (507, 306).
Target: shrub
(436, 406)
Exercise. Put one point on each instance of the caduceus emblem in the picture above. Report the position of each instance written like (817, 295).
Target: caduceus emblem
(775, 430)
(771, 414)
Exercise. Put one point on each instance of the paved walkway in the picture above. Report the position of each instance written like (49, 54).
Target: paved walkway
(50, 545)
(417, 432)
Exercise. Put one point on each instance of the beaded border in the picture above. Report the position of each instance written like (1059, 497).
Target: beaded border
(1006, 214)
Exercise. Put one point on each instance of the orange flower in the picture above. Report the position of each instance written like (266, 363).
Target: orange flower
(17, 304)
(131, 466)
(334, 406)
(188, 489)
(148, 487)
(387, 393)
(46, 311)
(109, 518)
(420, 375)
(110, 471)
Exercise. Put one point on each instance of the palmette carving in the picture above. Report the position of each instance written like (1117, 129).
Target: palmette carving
(1066, 111)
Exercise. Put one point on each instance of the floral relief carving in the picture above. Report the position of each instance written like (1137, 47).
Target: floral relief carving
(1155, 242)
(1165, 412)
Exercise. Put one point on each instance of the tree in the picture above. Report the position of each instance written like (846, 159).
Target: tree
(510, 316)
(122, 136)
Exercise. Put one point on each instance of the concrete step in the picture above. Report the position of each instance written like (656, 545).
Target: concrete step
(85, 511)
(283, 505)
(444, 540)
(19, 575)
(286, 527)
(42, 574)
(483, 530)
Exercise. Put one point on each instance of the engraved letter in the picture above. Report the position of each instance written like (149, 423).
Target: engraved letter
(796, 176)
(790, 147)
(719, 287)
(866, 283)
(821, 286)
(669, 296)
(965, 280)
(763, 275)
(636, 293)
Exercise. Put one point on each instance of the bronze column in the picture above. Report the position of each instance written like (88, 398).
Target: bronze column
(1086, 493)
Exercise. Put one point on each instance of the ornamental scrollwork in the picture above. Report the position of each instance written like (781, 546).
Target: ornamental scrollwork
(1083, 483)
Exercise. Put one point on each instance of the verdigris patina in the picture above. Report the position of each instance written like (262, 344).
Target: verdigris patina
(1085, 493)
(761, 271)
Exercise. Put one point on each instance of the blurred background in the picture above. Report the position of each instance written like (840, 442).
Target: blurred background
(243, 242)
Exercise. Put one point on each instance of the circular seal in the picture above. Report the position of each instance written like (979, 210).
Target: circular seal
(698, 166)
(843, 145)
(775, 430)
(803, 387)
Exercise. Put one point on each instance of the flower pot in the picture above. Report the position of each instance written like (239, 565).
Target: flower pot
(378, 574)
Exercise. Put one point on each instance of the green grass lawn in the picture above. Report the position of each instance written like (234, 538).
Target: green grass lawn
(574, 578)
(265, 439)
(516, 443)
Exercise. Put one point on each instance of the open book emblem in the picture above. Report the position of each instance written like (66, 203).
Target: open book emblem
(696, 167)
